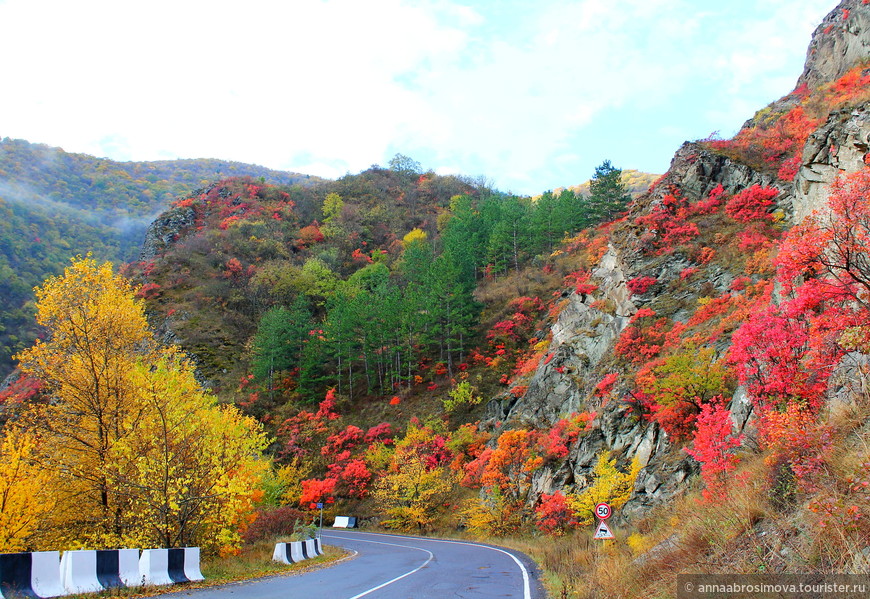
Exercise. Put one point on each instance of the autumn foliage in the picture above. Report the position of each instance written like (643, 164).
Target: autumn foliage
(25, 497)
(353, 319)
(774, 140)
(753, 203)
(134, 451)
(714, 444)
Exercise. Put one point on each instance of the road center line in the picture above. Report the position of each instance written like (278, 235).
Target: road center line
(397, 578)
(527, 592)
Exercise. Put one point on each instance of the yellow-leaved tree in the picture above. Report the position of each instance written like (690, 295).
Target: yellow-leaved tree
(191, 472)
(412, 491)
(414, 236)
(138, 453)
(97, 333)
(24, 490)
(610, 486)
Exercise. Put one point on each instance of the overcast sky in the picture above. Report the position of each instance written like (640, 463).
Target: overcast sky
(530, 94)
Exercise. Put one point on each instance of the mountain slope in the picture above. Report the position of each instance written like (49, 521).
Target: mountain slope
(698, 348)
(627, 327)
(219, 260)
(54, 205)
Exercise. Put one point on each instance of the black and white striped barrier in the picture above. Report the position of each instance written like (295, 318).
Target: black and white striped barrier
(44, 574)
(92, 571)
(34, 574)
(118, 568)
(168, 566)
(344, 522)
(297, 551)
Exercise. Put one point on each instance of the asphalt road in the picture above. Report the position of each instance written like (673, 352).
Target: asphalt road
(398, 567)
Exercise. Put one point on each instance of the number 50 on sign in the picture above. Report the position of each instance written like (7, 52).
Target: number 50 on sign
(603, 511)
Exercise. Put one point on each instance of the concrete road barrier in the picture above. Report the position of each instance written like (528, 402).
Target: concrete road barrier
(282, 553)
(191, 564)
(15, 570)
(128, 567)
(344, 522)
(45, 576)
(35, 574)
(108, 567)
(175, 565)
(297, 551)
(117, 568)
(170, 566)
(311, 547)
(154, 567)
(78, 572)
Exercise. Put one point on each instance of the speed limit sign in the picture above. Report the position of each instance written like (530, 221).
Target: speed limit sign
(603, 511)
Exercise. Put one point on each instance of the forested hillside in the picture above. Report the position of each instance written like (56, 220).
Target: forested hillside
(54, 205)
(384, 264)
(539, 356)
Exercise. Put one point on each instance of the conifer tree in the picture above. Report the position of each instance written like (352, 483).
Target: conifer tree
(608, 195)
(280, 340)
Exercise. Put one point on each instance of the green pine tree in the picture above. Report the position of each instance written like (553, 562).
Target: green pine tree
(608, 195)
(280, 340)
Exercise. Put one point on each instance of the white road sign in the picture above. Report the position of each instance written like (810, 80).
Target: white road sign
(602, 532)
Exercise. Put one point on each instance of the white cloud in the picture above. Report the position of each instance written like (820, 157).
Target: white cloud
(510, 89)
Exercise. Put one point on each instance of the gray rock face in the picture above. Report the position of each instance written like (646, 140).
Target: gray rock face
(582, 340)
(583, 336)
(849, 380)
(838, 43)
(697, 172)
(842, 145)
(166, 230)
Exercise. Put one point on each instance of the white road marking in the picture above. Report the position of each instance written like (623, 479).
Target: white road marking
(527, 592)
(397, 578)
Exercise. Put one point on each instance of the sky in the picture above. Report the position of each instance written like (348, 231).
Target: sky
(530, 95)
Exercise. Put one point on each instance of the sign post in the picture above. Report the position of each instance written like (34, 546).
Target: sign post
(320, 505)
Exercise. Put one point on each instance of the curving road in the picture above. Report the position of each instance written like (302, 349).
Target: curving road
(398, 567)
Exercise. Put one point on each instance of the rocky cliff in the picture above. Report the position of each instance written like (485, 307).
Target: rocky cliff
(838, 43)
(588, 326)
(841, 145)
(166, 230)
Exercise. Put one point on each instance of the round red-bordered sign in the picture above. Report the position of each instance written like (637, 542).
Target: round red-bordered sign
(603, 511)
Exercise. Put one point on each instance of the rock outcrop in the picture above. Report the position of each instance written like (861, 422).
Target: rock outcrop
(842, 145)
(841, 41)
(166, 230)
